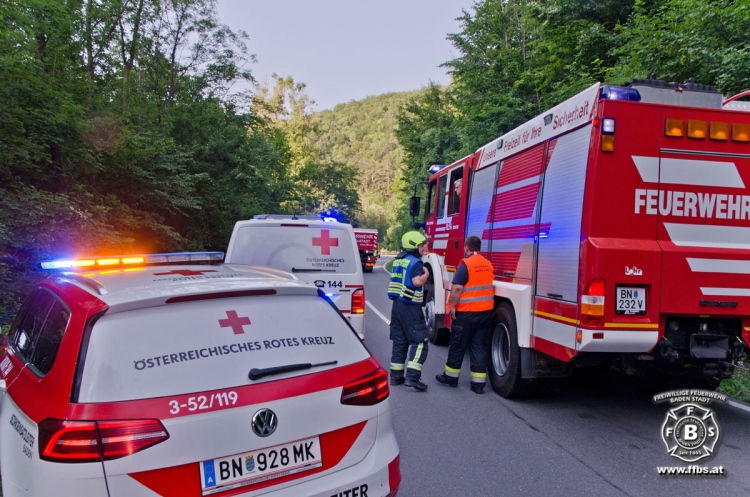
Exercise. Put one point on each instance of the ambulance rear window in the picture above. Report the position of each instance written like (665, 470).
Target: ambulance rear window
(297, 249)
(212, 344)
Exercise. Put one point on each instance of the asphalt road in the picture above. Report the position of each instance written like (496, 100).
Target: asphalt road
(593, 440)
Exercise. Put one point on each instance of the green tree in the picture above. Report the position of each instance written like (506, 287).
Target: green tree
(117, 132)
(677, 40)
(316, 182)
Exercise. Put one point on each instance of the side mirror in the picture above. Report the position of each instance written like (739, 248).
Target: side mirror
(414, 206)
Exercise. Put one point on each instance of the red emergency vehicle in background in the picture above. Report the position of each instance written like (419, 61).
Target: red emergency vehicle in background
(367, 243)
(618, 224)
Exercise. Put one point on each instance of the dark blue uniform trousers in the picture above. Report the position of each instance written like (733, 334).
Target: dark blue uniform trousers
(409, 335)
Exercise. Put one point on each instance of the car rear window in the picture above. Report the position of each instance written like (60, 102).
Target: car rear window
(38, 329)
(296, 249)
(211, 344)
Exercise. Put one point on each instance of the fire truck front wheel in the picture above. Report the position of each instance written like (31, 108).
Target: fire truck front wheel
(504, 359)
(437, 335)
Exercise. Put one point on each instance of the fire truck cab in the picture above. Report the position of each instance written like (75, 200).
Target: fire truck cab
(618, 224)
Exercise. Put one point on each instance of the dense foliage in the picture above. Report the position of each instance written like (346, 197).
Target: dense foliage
(118, 133)
(362, 134)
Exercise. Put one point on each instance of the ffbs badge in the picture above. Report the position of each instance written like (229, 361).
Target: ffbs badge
(690, 432)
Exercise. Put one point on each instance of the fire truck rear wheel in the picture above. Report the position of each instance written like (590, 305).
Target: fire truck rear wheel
(504, 359)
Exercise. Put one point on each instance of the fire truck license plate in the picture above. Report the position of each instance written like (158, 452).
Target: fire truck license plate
(239, 470)
(630, 300)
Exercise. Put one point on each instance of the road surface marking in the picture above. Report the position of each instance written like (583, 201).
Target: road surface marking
(387, 321)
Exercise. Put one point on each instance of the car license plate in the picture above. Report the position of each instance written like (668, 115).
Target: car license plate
(240, 470)
(630, 300)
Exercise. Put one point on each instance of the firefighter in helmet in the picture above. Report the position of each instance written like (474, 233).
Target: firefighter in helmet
(408, 326)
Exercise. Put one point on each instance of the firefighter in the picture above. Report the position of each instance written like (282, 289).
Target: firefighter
(408, 326)
(471, 301)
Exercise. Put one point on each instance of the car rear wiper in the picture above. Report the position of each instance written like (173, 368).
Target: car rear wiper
(311, 270)
(256, 373)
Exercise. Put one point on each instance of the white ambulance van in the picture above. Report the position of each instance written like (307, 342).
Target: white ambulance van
(319, 252)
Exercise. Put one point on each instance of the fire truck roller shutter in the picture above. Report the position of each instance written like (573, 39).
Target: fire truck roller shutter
(562, 210)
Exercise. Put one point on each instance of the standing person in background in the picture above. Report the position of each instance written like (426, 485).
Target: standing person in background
(471, 302)
(408, 326)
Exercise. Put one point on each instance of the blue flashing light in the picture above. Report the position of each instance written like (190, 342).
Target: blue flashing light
(619, 93)
(332, 216)
(435, 168)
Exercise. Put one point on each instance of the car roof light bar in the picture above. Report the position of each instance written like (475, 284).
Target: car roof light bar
(131, 260)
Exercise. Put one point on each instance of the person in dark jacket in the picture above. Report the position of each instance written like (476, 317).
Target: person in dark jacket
(408, 325)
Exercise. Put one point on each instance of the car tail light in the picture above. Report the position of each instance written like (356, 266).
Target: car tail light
(366, 391)
(93, 441)
(358, 301)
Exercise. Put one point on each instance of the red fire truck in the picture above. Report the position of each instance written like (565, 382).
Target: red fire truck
(618, 224)
(367, 243)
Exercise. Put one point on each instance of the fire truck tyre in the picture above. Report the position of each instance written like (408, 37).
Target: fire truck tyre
(436, 335)
(504, 359)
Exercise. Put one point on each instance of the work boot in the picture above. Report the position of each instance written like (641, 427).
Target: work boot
(397, 379)
(477, 388)
(444, 379)
(416, 384)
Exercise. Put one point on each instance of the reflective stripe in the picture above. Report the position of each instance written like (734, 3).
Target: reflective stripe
(400, 284)
(417, 354)
(453, 373)
(483, 376)
(476, 299)
(483, 287)
(397, 367)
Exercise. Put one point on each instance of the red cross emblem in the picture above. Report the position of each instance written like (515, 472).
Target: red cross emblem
(186, 272)
(325, 242)
(235, 322)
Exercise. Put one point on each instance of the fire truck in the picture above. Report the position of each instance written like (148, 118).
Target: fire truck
(618, 225)
(367, 244)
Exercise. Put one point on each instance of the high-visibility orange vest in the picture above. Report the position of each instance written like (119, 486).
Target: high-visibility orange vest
(478, 293)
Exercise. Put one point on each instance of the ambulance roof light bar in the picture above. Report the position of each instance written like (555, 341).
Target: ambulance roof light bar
(133, 260)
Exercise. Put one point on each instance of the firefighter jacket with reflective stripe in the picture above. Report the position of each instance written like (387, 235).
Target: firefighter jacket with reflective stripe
(478, 294)
(400, 286)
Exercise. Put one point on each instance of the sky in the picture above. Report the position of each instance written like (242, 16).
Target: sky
(347, 50)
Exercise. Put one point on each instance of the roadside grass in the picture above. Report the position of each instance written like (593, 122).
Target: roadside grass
(739, 385)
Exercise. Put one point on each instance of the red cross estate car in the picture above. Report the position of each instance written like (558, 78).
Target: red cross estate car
(135, 376)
